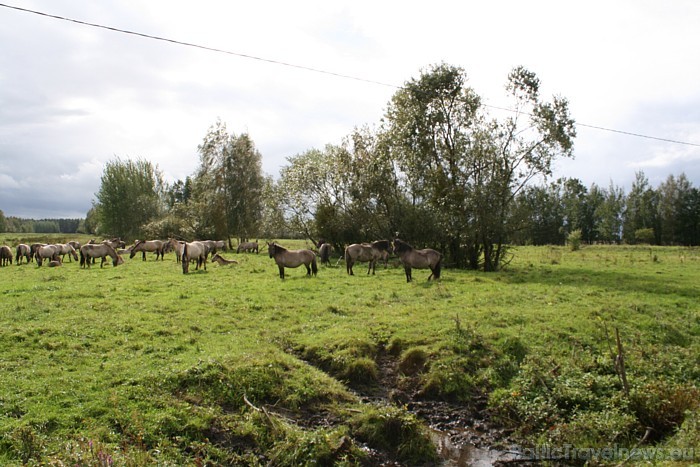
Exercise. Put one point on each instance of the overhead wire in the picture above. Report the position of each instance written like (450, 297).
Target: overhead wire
(303, 67)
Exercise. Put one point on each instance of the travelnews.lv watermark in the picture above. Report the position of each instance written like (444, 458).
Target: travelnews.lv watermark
(608, 453)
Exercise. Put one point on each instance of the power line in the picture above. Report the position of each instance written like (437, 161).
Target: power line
(303, 67)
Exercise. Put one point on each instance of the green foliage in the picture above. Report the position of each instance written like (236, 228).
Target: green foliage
(574, 240)
(226, 193)
(644, 236)
(130, 196)
(46, 227)
(662, 406)
(394, 430)
(467, 167)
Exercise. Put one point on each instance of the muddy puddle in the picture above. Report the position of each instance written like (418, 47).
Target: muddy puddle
(467, 454)
(463, 439)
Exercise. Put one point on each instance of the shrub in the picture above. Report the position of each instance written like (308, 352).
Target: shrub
(574, 240)
(644, 236)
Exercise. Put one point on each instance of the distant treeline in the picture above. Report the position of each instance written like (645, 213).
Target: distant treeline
(19, 225)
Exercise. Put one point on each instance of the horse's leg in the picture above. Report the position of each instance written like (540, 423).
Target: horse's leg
(348, 265)
(308, 269)
(281, 271)
(407, 269)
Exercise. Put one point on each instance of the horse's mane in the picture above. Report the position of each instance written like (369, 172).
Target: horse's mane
(382, 244)
(402, 245)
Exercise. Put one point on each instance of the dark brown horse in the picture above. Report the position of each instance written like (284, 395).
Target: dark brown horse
(292, 258)
(371, 252)
(5, 255)
(419, 259)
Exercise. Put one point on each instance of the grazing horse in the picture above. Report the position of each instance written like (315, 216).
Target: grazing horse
(47, 252)
(248, 247)
(419, 259)
(215, 245)
(223, 261)
(23, 251)
(324, 252)
(194, 251)
(5, 255)
(152, 246)
(292, 258)
(34, 247)
(67, 249)
(371, 252)
(91, 251)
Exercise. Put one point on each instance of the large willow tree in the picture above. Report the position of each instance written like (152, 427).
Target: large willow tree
(464, 166)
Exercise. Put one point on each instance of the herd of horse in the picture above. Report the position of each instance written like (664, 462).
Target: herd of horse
(197, 253)
(371, 253)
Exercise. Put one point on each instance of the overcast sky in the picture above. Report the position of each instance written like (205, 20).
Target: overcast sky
(73, 97)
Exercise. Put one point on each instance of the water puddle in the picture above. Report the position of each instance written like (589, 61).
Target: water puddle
(467, 454)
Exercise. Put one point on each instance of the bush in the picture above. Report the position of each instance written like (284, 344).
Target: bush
(644, 236)
(574, 240)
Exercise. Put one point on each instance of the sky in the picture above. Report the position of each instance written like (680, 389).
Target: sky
(74, 97)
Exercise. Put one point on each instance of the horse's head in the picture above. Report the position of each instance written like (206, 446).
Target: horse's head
(399, 246)
(271, 248)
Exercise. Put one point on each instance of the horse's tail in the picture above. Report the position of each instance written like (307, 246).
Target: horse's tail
(314, 266)
(82, 258)
(438, 267)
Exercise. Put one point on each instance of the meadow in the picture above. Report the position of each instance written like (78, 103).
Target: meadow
(141, 364)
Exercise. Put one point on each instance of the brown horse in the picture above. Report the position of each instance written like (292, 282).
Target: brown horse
(90, 251)
(292, 258)
(176, 246)
(67, 249)
(196, 251)
(47, 252)
(223, 261)
(371, 252)
(5, 255)
(23, 251)
(324, 252)
(419, 259)
(248, 247)
(151, 246)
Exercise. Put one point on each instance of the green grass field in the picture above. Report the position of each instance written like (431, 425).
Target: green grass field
(142, 365)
